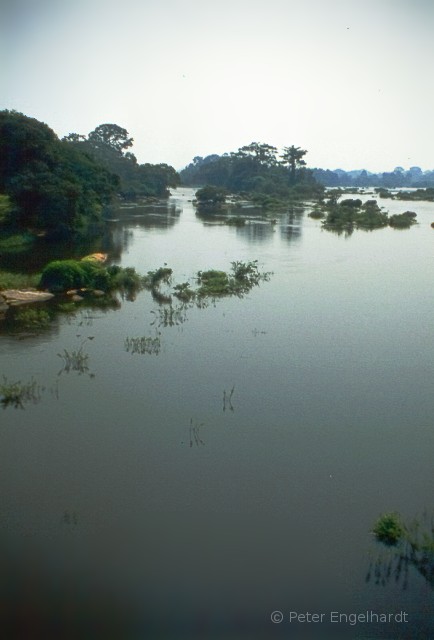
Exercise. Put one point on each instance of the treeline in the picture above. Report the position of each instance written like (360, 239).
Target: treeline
(61, 187)
(399, 177)
(108, 144)
(255, 168)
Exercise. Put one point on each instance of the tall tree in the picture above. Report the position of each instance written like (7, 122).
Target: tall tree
(293, 157)
(112, 136)
(264, 153)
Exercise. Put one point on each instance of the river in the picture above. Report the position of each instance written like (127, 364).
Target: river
(189, 493)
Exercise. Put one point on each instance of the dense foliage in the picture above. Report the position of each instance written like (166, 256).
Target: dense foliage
(61, 275)
(108, 144)
(399, 177)
(46, 184)
(256, 168)
(349, 214)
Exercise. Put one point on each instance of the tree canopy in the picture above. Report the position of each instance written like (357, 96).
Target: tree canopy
(108, 144)
(51, 185)
(255, 168)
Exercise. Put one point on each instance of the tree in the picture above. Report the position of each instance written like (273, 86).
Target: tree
(263, 153)
(211, 196)
(51, 184)
(293, 157)
(107, 144)
(110, 135)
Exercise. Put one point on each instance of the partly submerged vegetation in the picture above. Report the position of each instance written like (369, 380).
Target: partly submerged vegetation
(349, 214)
(410, 543)
(75, 360)
(17, 394)
(389, 529)
(143, 344)
(256, 170)
(242, 277)
(416, 195)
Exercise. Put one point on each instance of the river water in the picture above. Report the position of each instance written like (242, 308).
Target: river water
(190, 493)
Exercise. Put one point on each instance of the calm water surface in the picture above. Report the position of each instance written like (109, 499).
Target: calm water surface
(175, 513)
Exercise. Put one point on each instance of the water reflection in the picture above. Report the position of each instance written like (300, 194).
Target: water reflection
(170, 316)
(291, 223)
(155, 216)
(251, 223)
(195, 437)
(227, 399)
(257, 232)
(76, 360)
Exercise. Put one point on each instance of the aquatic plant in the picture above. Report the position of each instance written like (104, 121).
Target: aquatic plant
(184, 292)
(389, 529)
(143, 345)
(16, 394)
(243, 277)
(410, 545)
(213, 283)
(155, 278)
(76, 360)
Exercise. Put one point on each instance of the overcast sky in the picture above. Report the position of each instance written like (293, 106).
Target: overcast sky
(348, 80)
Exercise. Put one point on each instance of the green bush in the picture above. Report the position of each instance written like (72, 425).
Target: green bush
(213, 283)
(402, 220)
(61, 275)
(126, 278)
(389, 529)
(210, 195)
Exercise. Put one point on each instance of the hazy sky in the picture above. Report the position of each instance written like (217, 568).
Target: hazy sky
(348, 80)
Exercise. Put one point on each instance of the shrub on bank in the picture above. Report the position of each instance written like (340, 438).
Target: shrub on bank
(62, 275)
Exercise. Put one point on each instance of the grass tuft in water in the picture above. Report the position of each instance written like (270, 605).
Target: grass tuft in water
(16, 394)
(143, 345)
